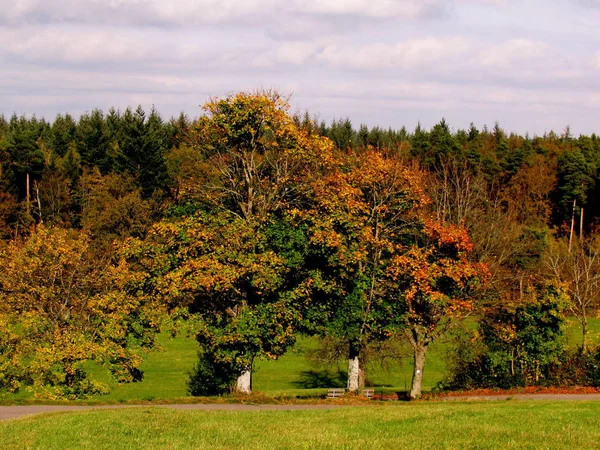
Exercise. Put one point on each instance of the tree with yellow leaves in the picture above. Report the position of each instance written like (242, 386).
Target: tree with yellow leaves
(60, 307)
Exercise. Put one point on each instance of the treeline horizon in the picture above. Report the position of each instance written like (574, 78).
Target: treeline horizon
(136, 142)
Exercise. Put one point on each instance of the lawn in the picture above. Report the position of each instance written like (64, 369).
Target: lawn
(165, 372)
(507, 424)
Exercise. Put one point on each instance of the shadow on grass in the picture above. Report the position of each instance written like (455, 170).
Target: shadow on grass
(313, 379)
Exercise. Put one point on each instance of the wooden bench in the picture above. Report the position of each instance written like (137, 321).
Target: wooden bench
(336, 393)
(340, 392)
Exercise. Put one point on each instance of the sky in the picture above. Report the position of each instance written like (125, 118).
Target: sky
(531, 65)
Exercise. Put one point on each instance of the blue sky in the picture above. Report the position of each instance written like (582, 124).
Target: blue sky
(532, 65)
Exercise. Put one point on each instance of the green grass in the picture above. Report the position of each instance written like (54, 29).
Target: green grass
(511, 424)
(166, 372)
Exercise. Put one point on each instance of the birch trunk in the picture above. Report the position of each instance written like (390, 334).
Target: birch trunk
(354, 372)
(420, 353)
(244, 382)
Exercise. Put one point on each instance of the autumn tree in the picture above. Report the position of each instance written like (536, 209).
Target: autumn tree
(430, 279)
(252, 161)
(61, 307)
(220, 273)
(359, 215)
(111, 206)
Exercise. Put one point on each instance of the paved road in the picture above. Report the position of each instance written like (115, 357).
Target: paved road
(13, 412)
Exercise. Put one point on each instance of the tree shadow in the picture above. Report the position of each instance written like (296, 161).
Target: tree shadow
(313, 379)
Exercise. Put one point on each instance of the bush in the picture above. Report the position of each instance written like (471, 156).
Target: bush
(514, 347)
(578, 368)
(211, 376)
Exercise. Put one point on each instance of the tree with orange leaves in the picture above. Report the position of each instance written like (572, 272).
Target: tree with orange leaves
(431, 278)
(382, 265)
(359, 214)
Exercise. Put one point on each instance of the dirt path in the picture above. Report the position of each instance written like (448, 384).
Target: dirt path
(13, 412)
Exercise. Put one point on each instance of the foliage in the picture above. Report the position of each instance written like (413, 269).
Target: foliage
(360, 215)
(516, 345)
(575, 266)
(220, 270)
(211, 376)
(352, 234)
(61, 307)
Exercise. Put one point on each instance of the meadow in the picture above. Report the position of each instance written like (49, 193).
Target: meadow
(294, 374)
(505, 424)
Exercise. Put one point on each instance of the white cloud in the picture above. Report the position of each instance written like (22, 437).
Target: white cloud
(369, 8)
(381, 61)
(408, 54)
(81, 46)
(132, 12)
(296, 52)
(515, 51)
(196, 12)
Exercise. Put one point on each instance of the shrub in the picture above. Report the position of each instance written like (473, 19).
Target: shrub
(211, 376)
(514, 346)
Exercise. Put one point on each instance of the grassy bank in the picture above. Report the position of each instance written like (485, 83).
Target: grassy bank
(510, 424)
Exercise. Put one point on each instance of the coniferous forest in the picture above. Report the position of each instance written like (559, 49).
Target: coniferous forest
(250, 225)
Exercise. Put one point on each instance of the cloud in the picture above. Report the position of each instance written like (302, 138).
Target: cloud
(183, 13)
(407, 54)
(588, 3)
(296, 52)
(75, 47)
(380, 61)
(369, 8)
(512, 52)
(132, 12)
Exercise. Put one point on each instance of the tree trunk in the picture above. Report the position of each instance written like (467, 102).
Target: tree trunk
(244, 382)
(353, 369)
(584, 330)
(27, 194)
(419, 355)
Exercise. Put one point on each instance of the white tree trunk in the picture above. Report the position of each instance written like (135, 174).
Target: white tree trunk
(353, 374)
(420, 353)
(244, 382)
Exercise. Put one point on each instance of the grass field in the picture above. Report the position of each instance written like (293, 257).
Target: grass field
(508, 424)
(293, 374)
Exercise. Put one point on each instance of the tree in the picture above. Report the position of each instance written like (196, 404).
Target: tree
(112, 207)
(431, 279)
(360, 215)
(254, 160)
(60, 307)
(516, 344)
(218, 271)
(577, 270)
